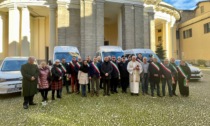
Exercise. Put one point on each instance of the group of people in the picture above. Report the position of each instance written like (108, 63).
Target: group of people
(109, 75)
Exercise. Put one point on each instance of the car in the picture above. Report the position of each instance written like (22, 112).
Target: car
(10, 75)
(196, 73)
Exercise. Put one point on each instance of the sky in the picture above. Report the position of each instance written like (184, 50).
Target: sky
(183, 4)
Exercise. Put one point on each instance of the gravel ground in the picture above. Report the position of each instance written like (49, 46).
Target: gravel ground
(118, 109)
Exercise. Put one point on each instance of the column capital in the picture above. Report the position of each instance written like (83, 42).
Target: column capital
(138, 5)
(12, 7)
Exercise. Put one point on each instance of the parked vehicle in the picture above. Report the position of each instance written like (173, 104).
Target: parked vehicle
(196, 73)
(66, 52)
(104, 51)
(10, 75)
(144, 52)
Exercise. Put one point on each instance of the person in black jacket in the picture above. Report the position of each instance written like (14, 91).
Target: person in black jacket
(175, 76)
(183, 78)
(100, 62)
(66, 74)
(115, 75)
(106, 69)
(167, 73)
(154, 74)
(57, 75)
(124, 75)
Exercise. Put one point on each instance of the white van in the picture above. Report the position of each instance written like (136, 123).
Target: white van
(144, 52)
(66, 52)
(104, 51)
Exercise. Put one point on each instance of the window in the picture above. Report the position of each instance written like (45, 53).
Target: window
(159, 39)
(159, 30)
(207, 27)
(106, 42)
(202, 9)
(187, 33)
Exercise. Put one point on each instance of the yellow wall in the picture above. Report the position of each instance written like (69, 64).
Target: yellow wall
(206, 6)
(111, 33)
(198, 46)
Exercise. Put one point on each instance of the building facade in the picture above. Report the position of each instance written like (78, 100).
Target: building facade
(194, 33)
(35, 27)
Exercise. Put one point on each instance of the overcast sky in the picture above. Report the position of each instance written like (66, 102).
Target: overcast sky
(183, 4)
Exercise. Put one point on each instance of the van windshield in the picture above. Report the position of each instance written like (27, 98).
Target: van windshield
(65, 55)
(148, 54)
(116, 54)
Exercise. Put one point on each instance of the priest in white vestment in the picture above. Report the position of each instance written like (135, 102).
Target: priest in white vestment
(134, 68)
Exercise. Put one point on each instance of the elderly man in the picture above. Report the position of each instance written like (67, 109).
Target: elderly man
(154, 73)
(145, 76)
(66, 75)
(115, 75)
(30, 73)
(139, 58)
(183, 78)
(134, 68)
(175, 76)
(100, 63)
(167, 73)
(94, 74)
(106, 69)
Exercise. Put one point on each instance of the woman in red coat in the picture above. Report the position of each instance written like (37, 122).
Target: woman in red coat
(43, 80)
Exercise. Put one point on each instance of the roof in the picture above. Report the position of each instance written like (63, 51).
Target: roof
(139, 50)
(66, 49)
(110, 48)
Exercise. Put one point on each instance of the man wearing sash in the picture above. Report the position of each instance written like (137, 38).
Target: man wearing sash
(66, 74)
(167, 72)
(94, 77)
(74, 65)
(183, 78)
(100, 63)
(115, 75)
(124, 75)
(154, 74)
(106, 69)
(89, 62)
(175, 76)
(134, 68)
(57, 76)
(139, 58)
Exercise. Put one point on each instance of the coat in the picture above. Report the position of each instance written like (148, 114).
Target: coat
(29, 87)
(43, 78)
(83, 78)
(56, 74)
(106, 67)
(123, 70)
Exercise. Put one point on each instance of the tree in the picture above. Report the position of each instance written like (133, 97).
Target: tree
(160, 51)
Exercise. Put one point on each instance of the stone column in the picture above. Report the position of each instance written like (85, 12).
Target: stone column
(25, 32)
(14, 31)
(99, 23)
(128, 26)
(139, 26)
(52, 37)
(87, 28)
(152, 31)
(166, 44)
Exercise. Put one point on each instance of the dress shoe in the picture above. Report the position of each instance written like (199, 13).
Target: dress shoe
(25, 106)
